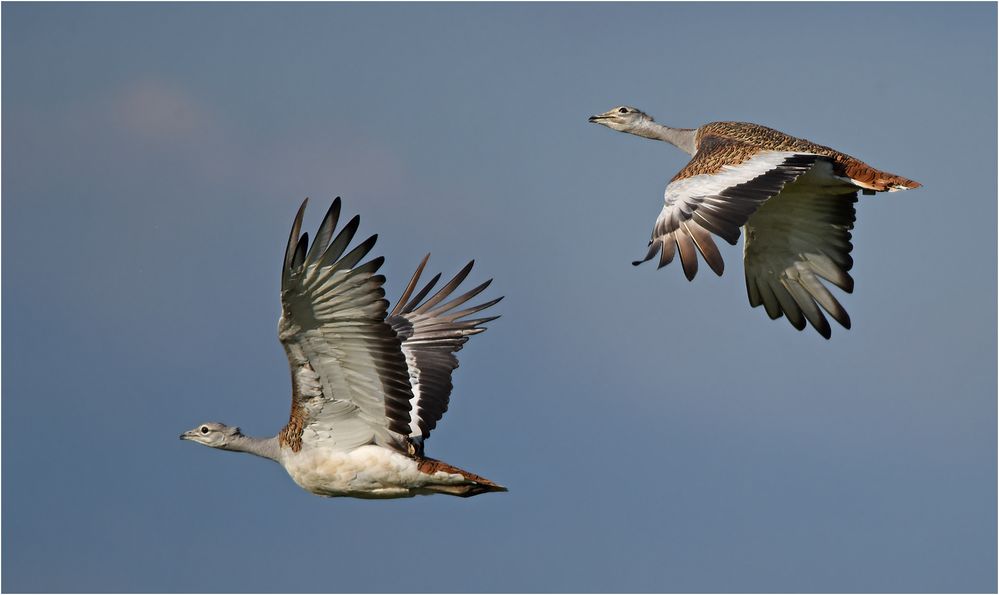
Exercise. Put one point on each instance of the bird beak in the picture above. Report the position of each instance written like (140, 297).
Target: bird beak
(595, 118)
(185, 436)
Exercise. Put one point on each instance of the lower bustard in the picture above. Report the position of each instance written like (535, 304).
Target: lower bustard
(367, 386)
(795, 199)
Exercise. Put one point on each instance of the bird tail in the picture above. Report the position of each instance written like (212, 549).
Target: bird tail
(875, 180)
(892, 183)
(476, 484)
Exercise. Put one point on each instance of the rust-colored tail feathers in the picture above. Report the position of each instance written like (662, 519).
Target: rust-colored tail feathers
(875, 179)
(479, 485)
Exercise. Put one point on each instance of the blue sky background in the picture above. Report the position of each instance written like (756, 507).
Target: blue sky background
(657, 435)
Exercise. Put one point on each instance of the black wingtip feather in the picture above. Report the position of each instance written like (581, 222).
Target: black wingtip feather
(355, 255)
(325, 232)
(462, 298)
(413, 303)
(340, 242)
(372, 265)
(652, 251)
(299, 257)
(413, 281)
(445, 291)
(289, 251)
(455, 316)
(478, 321)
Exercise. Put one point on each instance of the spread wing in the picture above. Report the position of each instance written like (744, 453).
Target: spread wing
(795, 240)
(432, 332)
(716, 193)
(350, 385)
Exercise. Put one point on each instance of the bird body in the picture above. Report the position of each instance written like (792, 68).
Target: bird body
(368, 386)
(368, 471)
(794, 198)
(739, 141)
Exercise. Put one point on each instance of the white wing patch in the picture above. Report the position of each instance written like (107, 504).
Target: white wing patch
(708, 185)
(414, 381)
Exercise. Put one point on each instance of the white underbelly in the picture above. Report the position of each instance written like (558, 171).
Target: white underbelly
(366, 472)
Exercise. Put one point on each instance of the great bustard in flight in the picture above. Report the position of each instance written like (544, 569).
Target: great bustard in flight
(795, 199)
(367, 386)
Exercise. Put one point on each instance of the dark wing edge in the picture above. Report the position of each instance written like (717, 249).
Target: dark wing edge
(432, 331)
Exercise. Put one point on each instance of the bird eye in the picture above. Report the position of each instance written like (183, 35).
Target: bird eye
(623, 110)
(204, 429)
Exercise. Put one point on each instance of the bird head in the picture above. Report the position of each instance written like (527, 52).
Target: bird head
(211, 434)
(623, 118)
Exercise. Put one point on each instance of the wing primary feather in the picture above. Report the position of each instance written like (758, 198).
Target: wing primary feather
(711, 223)
(755, 299)
(826, 268)
(371, 266)
(653, 249)
(667, 253)
(299, 258)
(789, 305)
(423, 293)
(445, 291)
(707, 247)
(355, 255)
(462, 313)
(461, 299)
(289, 252)
(478, 321)
(770, 302)
(825, 299)
(339, 244)
(688, 254)
(410, 286)
(325, 231)
(808, 307)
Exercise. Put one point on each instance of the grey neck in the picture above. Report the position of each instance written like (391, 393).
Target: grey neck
(267, 448)
(682, 138)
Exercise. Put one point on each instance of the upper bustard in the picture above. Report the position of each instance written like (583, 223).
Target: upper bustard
(367, 386)
(794, 197)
